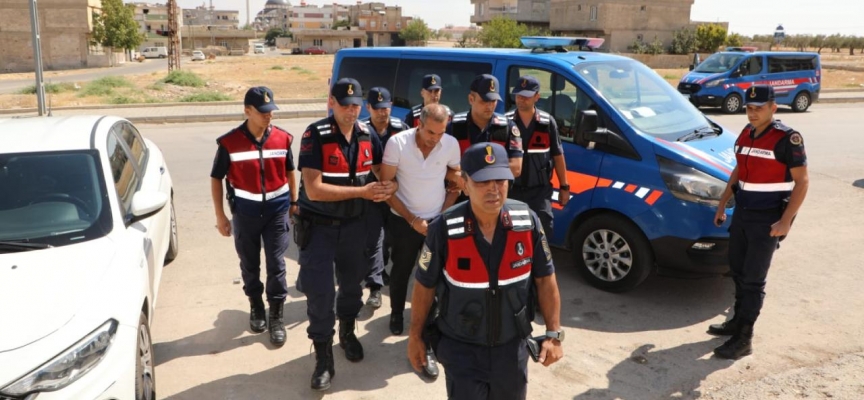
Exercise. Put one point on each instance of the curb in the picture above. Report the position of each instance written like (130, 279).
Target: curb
(838, 100)
(181, 119)
(157, 105)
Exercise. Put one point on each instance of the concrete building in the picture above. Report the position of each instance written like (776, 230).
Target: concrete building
(529, 12)
(65, 26)
(276, 14)
(310, 16)
(382, 23)
(329, 39)
(152, 20)
(208, 16)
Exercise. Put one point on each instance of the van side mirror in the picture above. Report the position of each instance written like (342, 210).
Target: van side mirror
(692, 67)
(588, 130)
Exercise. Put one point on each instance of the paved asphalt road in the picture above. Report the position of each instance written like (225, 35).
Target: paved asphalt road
(130, 68)
(645, 344)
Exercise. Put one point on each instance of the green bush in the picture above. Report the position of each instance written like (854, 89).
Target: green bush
(122, 99)
(205, 97)
(184, 78)
(302, 70)
(104, 86)
(52, 88)
(277, 67)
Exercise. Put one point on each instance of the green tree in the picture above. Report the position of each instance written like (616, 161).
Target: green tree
(735, 40)
(416, 31)
(638, 47)
(345, 23)
(683, 42)
(818, 41)
(468, 40)
(272, 34)
(116, 26)
(502, 32)
(710, 37)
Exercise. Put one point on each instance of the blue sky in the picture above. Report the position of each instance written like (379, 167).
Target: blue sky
(744, 16)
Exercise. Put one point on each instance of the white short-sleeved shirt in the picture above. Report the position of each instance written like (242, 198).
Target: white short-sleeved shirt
(421, 181)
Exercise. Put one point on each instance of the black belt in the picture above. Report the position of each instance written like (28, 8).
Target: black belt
(328, 221)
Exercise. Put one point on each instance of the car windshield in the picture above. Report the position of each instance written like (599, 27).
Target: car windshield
(719, 62)
(644, 98)
(54, 198)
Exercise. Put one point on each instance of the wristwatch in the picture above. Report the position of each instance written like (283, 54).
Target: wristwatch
(555, 335)
(564, 187)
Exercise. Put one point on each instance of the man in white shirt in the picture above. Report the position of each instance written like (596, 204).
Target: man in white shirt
(420, 159)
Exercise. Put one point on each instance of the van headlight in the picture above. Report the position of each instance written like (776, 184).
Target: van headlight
(68, 366)
(714, 83)
(690, 184)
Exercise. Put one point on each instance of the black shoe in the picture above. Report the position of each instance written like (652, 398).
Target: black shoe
(277, 327)
(727, 328)
(739, 345)
(374, 299)
(257, 315)
(396, 324)
(431, 368)
(348, 340)
(324, 369)
(385, 277)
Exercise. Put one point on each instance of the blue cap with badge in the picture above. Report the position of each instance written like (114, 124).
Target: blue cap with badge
(527, 86)
(758, 95)
(347, 91)
(261, 98)
(486, 86)
(379, 98)
(486, 161)
(431, 82)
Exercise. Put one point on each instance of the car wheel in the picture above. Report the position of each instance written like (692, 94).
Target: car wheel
(145, 373)
(611, 253)
(732, 104)
(801, 102)
(174, 240)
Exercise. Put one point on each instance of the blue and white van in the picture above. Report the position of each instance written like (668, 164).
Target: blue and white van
(646, 168)
(722, 79)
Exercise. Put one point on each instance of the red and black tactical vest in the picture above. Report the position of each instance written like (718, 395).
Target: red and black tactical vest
(495, 132)
(257, 173)
(537, 163)
(764, 182)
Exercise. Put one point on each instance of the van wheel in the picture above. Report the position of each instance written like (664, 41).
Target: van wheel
(145, 373)
(732, 104)
(611, 253)
(801, 102)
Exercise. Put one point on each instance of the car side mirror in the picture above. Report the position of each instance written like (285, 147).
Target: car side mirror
(147, 204)
(588, 129)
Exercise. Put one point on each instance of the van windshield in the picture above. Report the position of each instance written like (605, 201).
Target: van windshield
(719, 62)
(643, 98)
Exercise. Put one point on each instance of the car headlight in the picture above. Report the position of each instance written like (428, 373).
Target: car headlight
(690, 184)
(68, 366)
(714, 83)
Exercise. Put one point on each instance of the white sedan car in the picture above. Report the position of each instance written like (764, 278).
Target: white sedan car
(86, 224)
(198, 55)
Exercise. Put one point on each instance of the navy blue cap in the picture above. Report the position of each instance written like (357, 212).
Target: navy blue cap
(347, 91)
(759, 95)
(261, 98)
(527, 86)
(486, 86)
(378, 98)
(431, 82)
(486, 161)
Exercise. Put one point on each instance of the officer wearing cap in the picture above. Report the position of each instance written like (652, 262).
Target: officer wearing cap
(769, 184)
(482, 259)
(338, 154)
(431, 94)
(482, 124)
(378, 104)
(543, 152)
(256, 161)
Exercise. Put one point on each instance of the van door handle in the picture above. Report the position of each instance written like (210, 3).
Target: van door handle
(763, 76)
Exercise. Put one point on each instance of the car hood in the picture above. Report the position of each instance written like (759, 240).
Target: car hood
(700, 77)
(41, 290)
(713, 154)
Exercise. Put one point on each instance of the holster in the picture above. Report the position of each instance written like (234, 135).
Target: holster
(520, 315)
(302, 230)
(431, 334)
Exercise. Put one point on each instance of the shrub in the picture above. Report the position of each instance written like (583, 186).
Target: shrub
(104, 86)
(277, 67)
(205, 97)
(184, 78)
(52, 88)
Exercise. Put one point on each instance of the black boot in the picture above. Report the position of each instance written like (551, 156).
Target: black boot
(739, 345)
(324, 370)
(431, 368)
(727, 328)
(348, 340)
(257, 315)
(277, 327)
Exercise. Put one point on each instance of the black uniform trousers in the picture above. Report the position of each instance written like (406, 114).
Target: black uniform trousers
(475, 372)
(750, 250)
(376, 242)
(539, 200)
(249, 232)
(406, 246)
(339, 242)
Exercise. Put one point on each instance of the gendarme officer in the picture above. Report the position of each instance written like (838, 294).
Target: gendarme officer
(338, 154)
(769, 183)
(430, 92)
(483, 259)
(255, 159)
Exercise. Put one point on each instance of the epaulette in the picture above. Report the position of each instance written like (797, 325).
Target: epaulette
(499, 120)
(780, 126)
(461, 117)
(516, 215)
(398, 125)
(363, 127)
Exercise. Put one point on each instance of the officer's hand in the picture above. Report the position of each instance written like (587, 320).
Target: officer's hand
(780, 228)
(389, 186)
(564, 197)
(376, 192)
(719, 216)
(223, 225)
(455, 185)
(551, 352)
(421, 226)
(416, 353)
(294, 210)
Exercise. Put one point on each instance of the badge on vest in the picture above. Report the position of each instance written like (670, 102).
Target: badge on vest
(366, 153)
(520, 248)
(521, 263)
(469, 226)
(546, 249)
(505, 220)
(368, 162)
(796, 139)
(515, 131)
(425, 258)
(334, 160)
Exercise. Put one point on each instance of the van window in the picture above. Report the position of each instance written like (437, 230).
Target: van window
(719, 62)
(370, 72)
(791, 63)
(752, 65)
(456, 77)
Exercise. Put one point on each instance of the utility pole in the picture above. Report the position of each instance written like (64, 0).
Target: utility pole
(173, 37)
(37, 57)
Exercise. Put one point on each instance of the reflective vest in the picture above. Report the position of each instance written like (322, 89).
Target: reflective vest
(495, 132)
(256, 175)
(537, 163)
(475, 308)
(335, 170)
(763, 181)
